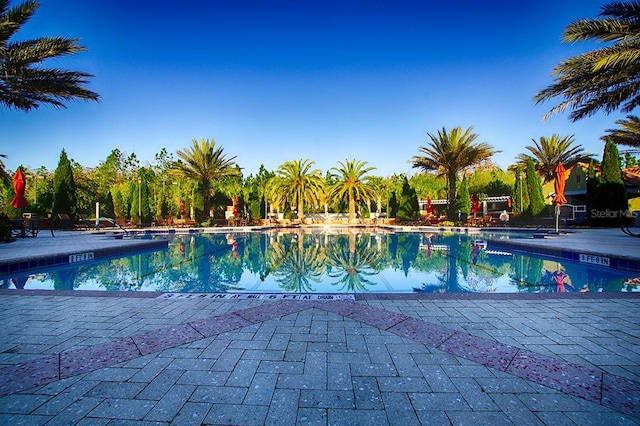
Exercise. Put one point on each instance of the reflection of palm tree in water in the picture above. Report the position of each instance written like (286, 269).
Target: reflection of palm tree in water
(296, 266)
(352, 262)
(217, 270)
(450, 276)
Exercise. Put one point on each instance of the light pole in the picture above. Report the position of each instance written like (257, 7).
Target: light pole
(520, 177)
(139, 201)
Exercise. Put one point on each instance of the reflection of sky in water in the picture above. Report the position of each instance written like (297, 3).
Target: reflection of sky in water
(353, 261)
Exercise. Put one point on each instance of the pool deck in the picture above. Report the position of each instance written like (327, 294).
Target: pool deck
(123, 358)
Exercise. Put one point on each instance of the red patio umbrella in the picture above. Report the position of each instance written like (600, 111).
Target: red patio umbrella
(235, 206)
(558, 185)
(18, 187)
(182, 208)
(475, 205)
(429, 208)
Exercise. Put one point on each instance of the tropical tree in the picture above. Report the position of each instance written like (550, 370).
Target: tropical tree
(298, 184)
(204, 162)
(628, 133)
(551, 151)
(4, 176)
(449, 153)
(603, 79)
(24, 83)
(353, 184)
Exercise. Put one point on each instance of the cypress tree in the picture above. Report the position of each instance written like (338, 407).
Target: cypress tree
(133, 201)
(145, 195)
(118, 204)
(64, 188)
(610, 202)
(593, 183)
(408, 207)
(519, 194)
(611, 166)
(534, 187)
(463, 199)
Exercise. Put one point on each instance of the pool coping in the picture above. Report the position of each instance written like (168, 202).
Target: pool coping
(64, 257)
(625, 263)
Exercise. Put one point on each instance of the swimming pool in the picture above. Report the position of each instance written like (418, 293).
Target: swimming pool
(331, 260)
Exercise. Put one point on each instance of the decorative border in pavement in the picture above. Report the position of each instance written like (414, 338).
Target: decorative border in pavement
(592, 385)
(257, 296)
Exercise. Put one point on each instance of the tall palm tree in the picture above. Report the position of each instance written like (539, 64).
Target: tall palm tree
(204, 162)
(549, 152)
(297, 183)
(449, 153)
(24, 83)
(353, 185)
(4, 176)
(606, 78)
(628, 133)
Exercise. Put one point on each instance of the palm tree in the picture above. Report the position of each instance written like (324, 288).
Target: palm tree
(352, 185)
(450, 153)
(204, 162)
(24, 83)
(296, 182)
(628, 133)
(549, 152)
(4, 176)
(603, 79)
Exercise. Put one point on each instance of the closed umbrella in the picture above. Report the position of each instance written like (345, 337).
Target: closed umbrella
(429, 207)
(475, 205)
(18, 187)
(558, 185)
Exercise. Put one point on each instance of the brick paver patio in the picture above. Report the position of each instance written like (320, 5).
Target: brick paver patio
(95, 360)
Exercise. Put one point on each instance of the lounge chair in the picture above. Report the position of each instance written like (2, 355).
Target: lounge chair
(62, 221)
(626, 230)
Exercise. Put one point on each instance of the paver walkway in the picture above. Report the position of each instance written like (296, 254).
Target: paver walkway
(124, 360)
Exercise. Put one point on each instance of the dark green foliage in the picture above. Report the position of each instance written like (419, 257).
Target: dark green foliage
(611, 164)
(534, 187)
(140, 209)
(607, 195)
(64, 188)
(520, 195)
(408, 208)
(256, 209)
(118, 204)
(106, 206)
(463, 200)
(145, 194)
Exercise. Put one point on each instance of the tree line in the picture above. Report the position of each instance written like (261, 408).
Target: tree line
(603, 80)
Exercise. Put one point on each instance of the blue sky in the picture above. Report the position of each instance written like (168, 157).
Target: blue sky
(273, 81)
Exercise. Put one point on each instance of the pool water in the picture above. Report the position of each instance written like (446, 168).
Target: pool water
(331, 260)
